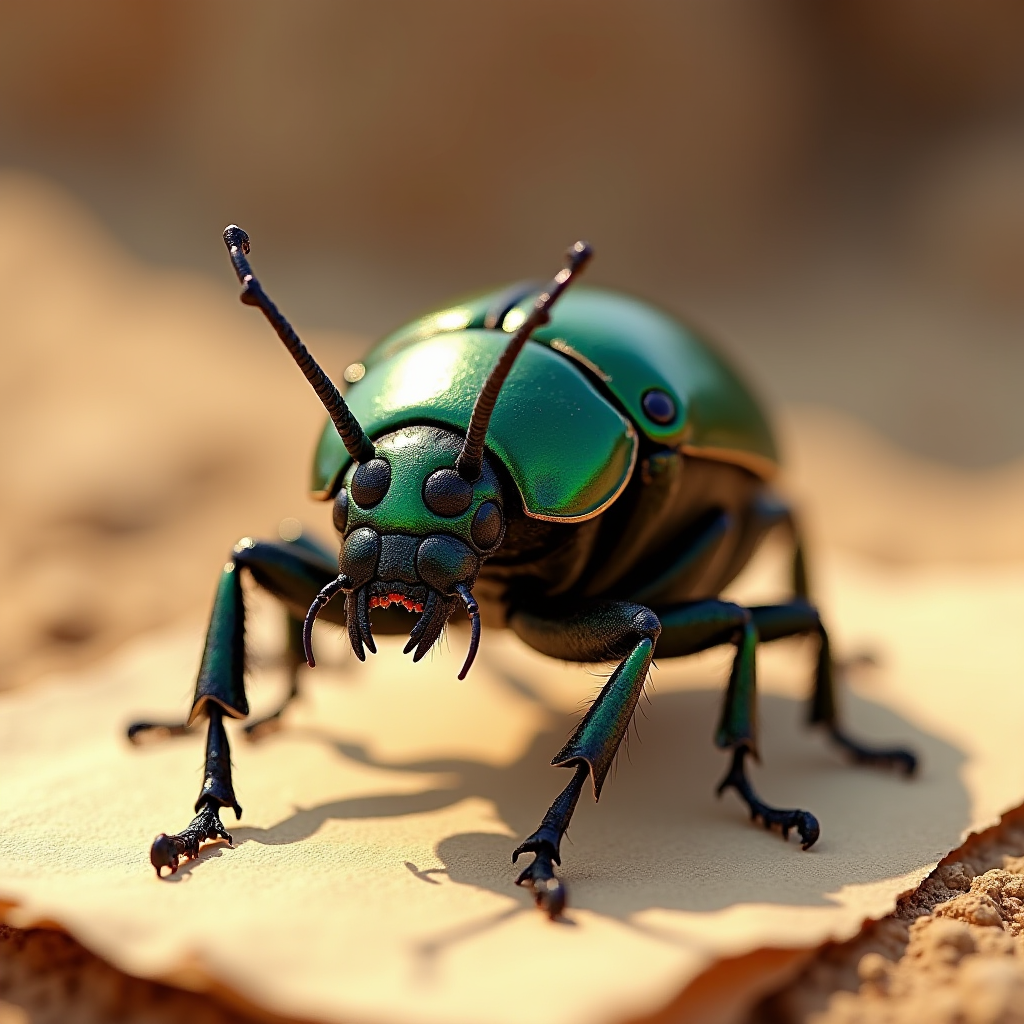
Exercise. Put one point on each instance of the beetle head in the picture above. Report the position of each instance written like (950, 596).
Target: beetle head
(419, 510)
(414, 534)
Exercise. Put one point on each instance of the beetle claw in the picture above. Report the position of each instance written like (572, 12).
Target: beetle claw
(805, 823)
(549, 892)
(168, 851)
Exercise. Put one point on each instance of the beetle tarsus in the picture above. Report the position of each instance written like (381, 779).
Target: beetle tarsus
(898, 758)
(548, 890)
(805, 823)
(143, 732)
(539, 877)
(167, 851)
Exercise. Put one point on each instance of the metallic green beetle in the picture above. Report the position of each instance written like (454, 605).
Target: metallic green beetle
(590, 476)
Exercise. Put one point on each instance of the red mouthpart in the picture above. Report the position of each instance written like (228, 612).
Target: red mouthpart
(390, 599)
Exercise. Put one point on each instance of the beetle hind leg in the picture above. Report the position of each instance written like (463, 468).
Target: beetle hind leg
(823, 712)
(737, 731)
(800, 617)
(139, 732)
(899, 758)
(294, 660)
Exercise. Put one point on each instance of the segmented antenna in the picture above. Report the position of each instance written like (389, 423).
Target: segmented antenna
(356, 442)
(470, 460)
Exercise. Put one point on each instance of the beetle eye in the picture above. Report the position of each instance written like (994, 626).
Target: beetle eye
(370, 483)
(445, 493)
(487, 525)
(659, 406)
(341, 511)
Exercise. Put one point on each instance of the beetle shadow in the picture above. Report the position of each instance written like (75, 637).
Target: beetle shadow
(660, 838)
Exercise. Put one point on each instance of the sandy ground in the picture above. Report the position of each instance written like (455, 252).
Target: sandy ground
(148, 421)
(952, 952)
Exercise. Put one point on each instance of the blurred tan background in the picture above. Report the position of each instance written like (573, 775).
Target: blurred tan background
(834, 190)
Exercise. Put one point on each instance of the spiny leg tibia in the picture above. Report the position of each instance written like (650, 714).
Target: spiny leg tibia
(539, 876)
(217, 792)
(803, 821)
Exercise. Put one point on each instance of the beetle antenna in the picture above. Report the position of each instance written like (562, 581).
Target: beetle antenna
(473, 611)
(356, 442)
(470, 461)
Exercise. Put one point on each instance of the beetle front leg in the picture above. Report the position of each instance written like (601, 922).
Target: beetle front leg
(545, 844)
(217, 792)
(294, 572)
(597, 633)
(220, 689)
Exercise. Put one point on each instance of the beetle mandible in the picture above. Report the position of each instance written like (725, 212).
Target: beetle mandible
(590, 475)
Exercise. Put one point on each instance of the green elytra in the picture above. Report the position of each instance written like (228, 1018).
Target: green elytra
(566, 421)
(589, 470)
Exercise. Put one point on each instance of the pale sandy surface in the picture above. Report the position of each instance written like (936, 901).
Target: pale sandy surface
(149, 421)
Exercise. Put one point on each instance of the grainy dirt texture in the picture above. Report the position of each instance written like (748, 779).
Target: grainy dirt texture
(48, 978)
(952, 953)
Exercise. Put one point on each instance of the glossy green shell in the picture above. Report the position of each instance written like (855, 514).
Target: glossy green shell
(566, 420)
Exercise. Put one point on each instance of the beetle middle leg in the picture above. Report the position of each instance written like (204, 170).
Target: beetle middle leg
(697, 626)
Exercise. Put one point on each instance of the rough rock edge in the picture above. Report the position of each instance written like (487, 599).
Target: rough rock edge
(953, 949)
(46, 977)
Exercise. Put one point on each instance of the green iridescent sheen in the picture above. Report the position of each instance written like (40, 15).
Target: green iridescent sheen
(738, 724)
(627, 346)
(222, 672)
(568, 450)
(598, 736)
(638, 348)
(414, 453)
